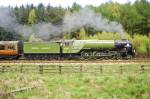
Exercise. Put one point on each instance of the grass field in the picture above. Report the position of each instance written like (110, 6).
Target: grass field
(76, 86)
(112, 83)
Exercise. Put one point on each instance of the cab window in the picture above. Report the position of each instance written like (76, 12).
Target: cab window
(69, 43)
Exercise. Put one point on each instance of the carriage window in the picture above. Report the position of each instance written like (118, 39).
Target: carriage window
(11, 47)
(2, 47)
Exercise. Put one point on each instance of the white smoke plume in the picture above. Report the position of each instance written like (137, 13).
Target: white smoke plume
(76, 20)
(41, 30)
(87, 17)
(6, 19)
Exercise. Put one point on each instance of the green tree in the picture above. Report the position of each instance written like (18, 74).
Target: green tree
(7, 35)
(32, 20)
(130, 18)
(143, 8)
(40, 13)
(75, 7)
(32, 17)
(82, 34)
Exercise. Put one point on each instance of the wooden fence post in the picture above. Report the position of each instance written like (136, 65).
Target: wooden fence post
(101, 69)
(81, 68)
(142, 69)
(41, 69)
(21, 69)
(60, 71)
(121, 69)
(3, 69)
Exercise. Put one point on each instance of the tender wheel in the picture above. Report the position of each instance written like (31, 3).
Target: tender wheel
(10, 57)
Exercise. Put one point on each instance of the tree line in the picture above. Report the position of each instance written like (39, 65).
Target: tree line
(135, 17)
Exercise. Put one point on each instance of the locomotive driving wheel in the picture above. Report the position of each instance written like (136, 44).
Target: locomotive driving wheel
(129, 56)
(95, 55)
(85, 55)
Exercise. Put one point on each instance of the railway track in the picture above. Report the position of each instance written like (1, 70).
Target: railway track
(75, 61)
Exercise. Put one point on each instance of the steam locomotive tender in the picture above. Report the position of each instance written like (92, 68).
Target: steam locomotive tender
(74, 49)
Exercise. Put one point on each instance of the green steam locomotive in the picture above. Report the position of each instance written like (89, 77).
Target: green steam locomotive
(67, 49)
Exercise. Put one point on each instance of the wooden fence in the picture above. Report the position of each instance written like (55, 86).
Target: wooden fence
(41, 69)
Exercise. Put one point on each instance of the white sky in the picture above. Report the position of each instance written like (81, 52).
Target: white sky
(63, 3)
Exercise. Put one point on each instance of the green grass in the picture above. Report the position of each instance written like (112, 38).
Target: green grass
(77, 86)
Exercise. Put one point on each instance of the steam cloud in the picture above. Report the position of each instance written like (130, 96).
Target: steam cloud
(84, 17)
(87, 17)
(7, 21)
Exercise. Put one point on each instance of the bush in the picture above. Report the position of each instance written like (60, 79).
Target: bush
(106, 36)
(141, 43)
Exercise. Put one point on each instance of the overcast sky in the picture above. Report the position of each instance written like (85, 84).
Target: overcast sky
(63, 3)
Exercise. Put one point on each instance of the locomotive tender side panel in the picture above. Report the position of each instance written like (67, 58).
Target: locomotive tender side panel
(41, 47)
